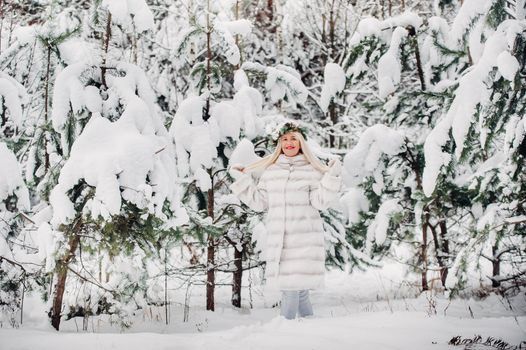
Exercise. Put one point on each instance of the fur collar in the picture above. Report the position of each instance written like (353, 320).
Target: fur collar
(298, 159)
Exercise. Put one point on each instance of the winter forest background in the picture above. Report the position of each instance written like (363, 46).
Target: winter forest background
(120, 117)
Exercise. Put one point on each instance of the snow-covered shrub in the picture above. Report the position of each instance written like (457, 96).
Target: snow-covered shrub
(14, 197)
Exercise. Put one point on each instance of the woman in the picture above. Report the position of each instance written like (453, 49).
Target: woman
(293, 188)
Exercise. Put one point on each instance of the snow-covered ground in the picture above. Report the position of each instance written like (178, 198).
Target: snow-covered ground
(365, 310)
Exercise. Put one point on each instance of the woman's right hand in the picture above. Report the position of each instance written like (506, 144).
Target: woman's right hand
(236, 171)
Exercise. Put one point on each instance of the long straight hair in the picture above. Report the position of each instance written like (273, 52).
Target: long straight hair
(271, 158)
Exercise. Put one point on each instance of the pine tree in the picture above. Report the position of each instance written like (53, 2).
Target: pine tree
(438, 208)
(204, 157)
(109, 99)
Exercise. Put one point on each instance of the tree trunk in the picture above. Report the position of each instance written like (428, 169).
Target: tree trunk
(135, 48)
(423, 252)
(210, 275)
(166, 283)
(22, 303)
(1, 22)
(264, 16)
(236, 13)
(46, 107)
(445, 250)
(62, 274)
(4, 112)
(210, 264)
(496, 266)
(105, 46)
(334, 120)
(413, 161)
(270, 16)
(237, 277)
(332, 24)
(208, 59)
(439, 252)
(412, 32)
(323, 37)
(332, 106)
(346, 37)
(470, 58)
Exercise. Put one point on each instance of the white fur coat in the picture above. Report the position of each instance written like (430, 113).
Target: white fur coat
(293, 192)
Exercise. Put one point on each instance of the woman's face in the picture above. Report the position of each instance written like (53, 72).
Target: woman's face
(290, 145)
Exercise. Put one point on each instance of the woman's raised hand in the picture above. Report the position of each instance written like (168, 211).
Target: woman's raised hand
(238, 167)
(335, 167)
(236, 171)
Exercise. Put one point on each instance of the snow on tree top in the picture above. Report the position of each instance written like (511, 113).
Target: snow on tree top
(224, 37)
(126, 12)
(470, 10)
(76, 50)
(243, 154)
(239, 27)
(116, 159)
(389, 68)
(405, 19)
(377, 230)
(132, 90)
(334, 82)
(364, 158)
(25, 34)
(14, 95)
(508, 65)
(374, 27)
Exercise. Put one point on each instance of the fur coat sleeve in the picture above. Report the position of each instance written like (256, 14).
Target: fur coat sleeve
(325, 192)
(255, 196)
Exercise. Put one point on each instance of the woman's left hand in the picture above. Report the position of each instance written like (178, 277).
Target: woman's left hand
(236, 171)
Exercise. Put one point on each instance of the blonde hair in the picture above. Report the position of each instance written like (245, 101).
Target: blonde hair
(271, 158)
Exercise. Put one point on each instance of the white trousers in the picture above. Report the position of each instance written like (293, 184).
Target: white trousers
(295, 302)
